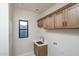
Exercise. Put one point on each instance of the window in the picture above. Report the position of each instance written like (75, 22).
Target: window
(23, 29)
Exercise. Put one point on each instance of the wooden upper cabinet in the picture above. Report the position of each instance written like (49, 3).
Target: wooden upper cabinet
(48, 22)
(52, 21)
(72, 16)
(67, 17)
(59, 19)
(40, 23)
(44, 23)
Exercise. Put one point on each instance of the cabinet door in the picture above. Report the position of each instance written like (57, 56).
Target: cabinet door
(51, 22)
(35, 49)
(59, 19)
(72, 16)
(40, 24)
(42, 50)
(44, 23)
(48, 22)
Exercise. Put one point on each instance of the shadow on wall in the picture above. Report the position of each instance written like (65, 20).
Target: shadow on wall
(65, 31)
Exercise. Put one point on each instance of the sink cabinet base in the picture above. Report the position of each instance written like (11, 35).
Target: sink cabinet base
(40, 50)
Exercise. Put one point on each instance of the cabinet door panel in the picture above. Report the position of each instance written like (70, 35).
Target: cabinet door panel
(72, 16)
(44, 23)
(59, 19)
(40, 24)
(48, 22)
(52, 22)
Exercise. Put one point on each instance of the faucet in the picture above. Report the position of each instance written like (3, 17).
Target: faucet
(42, 38)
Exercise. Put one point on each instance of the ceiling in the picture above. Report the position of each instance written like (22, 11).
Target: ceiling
(36, 7)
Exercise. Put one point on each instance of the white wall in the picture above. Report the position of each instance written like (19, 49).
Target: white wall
(67, 39)
(4, 29)
(24, 46)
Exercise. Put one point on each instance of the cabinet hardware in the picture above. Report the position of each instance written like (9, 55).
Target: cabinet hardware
(65, 23)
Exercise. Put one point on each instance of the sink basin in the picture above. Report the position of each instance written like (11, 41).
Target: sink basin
(39, 42)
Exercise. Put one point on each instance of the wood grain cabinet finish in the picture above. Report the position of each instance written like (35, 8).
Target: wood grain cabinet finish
(72, 16)
(35, 49)
(44, 23)
(48, 22)
(67, 17)
(59, 19)
(40, 23)
(40, 51)
(51, 22)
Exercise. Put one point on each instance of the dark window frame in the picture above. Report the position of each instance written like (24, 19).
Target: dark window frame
(23, 29)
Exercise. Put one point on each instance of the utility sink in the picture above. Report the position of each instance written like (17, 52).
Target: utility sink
(40, 48)
(39, 42)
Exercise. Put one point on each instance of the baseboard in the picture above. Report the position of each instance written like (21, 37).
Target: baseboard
(28, 54)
